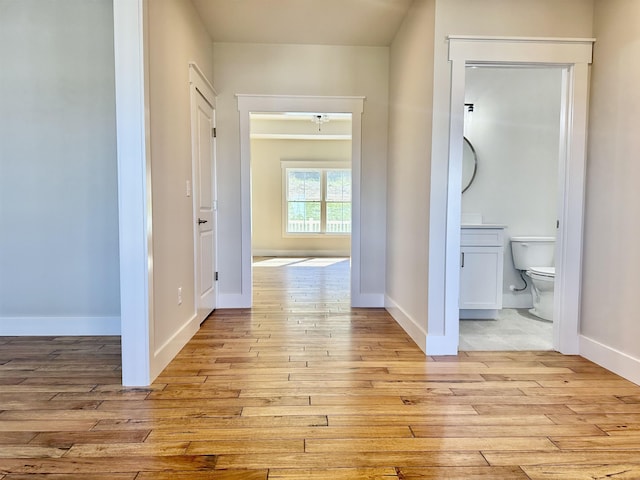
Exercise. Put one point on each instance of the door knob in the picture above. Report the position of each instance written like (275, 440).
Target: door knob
(200, 221)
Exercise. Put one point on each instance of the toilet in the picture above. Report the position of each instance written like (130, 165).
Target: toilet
(535, 256)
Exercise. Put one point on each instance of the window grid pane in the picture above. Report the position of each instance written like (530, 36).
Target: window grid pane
(307, 211)
(338, 186)
(303, 217)
(303, 185)
(338, 217)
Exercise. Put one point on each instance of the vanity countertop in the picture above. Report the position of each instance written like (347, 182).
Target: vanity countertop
(482, 225)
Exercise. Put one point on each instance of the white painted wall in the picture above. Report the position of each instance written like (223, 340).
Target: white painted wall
(410, 124)
(176, 37)
(611, 258)
(302, 70)
(267, 196)
(58, 188)
(515, 130)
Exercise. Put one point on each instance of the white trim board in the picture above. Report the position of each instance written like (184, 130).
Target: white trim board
(167, 352)
(618, 362)
(417, 333)
(134, 191)
(59, 326)
(571, 55)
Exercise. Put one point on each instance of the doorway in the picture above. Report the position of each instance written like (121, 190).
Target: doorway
(512, 124)
(573, 56)
(301, 200)
(272, 105)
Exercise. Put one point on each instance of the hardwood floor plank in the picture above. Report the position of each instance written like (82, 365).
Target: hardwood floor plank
(27, 451)
(463, 473)
(507, 431)
(590, 472)
(335, 474)
(120, 450)
(255, 433)
(626, 442)
(211, 475)
(240, 447)
(350, 460)
(70, 476)
(429, 444)
(87, 465)
(44, 425)
(444, 420)
(593, 457)
(68, 439)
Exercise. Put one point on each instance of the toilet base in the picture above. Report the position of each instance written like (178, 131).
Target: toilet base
(542, 315)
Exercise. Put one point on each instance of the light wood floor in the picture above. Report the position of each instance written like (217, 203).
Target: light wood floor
(304, 387)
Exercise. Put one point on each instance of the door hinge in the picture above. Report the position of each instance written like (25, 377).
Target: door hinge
(216, 276)
(557, 223)
(213, 132)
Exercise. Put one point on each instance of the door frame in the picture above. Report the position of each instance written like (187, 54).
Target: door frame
(200, 85)
(293, 103)
(574, 56)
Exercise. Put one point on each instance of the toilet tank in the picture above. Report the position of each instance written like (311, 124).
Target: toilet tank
(532, 252)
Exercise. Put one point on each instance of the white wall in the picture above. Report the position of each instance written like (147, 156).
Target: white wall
(302, 70)
(176, 37)
(515, 130)
(58, 188)
(410, 124)
(267, 196)
(611, 257)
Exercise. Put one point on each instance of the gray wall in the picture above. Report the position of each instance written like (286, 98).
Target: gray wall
(58, 188)
(611, 255)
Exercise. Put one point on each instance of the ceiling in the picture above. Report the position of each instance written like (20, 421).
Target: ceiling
(321, 22)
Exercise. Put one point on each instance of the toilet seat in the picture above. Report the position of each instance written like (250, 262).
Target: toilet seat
(547, 272)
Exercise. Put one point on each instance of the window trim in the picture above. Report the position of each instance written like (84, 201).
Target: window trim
(322, 166)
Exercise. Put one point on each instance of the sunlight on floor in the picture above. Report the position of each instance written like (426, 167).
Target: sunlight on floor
(299, 262)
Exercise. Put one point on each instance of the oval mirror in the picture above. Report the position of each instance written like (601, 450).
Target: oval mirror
(469, 164)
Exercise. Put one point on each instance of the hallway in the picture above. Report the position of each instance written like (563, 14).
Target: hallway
(304, 387)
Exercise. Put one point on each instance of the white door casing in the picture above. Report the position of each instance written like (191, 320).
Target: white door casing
(574, 56)
(204, 192)
(295, 103)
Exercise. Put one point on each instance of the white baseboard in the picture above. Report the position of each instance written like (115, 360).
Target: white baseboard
(300, 253)
(417, 333)
(510, 300)
(167, 352)
(442, 345)
(59, 326)
(618, 362)
(368, 300)
(233, 300)
(478, 314)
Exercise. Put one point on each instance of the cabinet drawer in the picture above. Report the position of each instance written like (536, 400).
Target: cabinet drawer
(481, 237)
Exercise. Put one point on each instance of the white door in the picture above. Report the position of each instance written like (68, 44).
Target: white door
(204, 202)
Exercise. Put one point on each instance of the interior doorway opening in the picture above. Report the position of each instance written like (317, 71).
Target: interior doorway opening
(301, 205)
(325, 214)
(512, 123)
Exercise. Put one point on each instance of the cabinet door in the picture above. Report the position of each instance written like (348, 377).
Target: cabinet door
(481, 277)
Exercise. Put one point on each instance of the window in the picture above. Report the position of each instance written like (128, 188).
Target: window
(318, 200)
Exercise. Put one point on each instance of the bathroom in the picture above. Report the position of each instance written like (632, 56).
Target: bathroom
(512, 122)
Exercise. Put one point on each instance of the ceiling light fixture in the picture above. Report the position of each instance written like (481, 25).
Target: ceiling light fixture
(319, 119)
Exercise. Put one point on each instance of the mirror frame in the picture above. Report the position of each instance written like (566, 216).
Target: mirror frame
(475, 164)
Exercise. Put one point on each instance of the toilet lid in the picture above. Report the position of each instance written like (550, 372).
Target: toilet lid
(544, 271)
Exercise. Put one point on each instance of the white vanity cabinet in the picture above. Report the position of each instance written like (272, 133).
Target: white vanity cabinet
(481, 270)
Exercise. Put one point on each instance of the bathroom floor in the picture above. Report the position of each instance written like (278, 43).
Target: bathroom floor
(514, 329)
